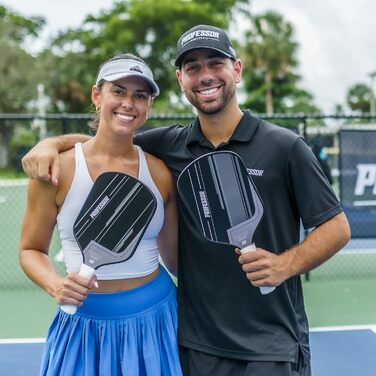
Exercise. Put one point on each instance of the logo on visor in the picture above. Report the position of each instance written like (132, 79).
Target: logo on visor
(136, 68)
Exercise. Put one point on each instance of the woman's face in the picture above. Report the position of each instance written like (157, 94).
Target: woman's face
(124, 104)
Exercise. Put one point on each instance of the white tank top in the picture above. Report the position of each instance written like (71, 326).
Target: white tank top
(144, 260)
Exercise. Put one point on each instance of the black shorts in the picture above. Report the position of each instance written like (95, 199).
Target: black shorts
(196, 363)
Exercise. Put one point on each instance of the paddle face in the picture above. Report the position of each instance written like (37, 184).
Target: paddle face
(221, 198)
(113, 219)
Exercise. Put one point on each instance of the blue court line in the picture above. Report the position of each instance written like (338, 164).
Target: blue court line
(340, 351)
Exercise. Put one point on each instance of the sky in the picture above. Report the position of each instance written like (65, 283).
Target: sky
(336, 37)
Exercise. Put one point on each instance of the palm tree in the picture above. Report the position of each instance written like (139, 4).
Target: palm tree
(269, 51)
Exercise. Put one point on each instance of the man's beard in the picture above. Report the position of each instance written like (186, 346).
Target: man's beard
(216, 106)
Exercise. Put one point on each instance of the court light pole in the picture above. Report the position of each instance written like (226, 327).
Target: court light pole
(42, 105)
(372, 76)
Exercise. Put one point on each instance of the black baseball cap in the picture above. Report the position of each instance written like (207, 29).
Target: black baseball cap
(204, 36)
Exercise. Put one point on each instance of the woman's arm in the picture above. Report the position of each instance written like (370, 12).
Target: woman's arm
(37, 229)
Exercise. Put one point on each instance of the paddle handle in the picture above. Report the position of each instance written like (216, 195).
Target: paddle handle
(263, 289)
(87, 272)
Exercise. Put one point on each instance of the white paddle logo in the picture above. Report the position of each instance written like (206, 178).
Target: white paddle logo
(204, 203)
(101, 205)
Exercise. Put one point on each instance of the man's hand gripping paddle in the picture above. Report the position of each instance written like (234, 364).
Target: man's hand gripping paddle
(222, 200)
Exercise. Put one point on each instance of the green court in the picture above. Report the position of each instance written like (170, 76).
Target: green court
(27, 314)
(12, 205)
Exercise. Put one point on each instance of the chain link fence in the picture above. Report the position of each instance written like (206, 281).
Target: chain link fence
(344, 144)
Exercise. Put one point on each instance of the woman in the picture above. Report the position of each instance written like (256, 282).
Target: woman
(126, 318)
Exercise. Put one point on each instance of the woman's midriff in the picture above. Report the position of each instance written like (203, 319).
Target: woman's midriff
(116, 285)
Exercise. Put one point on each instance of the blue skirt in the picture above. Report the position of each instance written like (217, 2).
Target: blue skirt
(130, 333)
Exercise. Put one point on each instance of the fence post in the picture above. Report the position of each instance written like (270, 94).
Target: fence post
(64, 124)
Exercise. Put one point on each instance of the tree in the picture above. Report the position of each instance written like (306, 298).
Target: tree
(269, 56)
(19, 77)
(146, 27)
(359, 97)
(16, 65)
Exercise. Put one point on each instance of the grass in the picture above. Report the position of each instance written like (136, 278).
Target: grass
(8, 173)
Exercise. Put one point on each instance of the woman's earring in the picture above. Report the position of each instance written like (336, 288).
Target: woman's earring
(98, 110)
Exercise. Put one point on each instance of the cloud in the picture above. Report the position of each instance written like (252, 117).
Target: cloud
(336, 37)
(337, 47)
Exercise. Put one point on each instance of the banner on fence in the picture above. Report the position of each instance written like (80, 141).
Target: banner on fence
(358, 180)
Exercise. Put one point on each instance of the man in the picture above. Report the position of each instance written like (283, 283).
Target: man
(226, 326)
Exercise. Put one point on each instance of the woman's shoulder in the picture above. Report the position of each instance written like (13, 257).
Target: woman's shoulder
(67, 170)
(155, 163)
(158, 168)
(160, 174)
(67, 161)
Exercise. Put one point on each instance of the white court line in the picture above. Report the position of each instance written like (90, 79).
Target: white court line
(21, 340)
(357, 251)
(343, 328)
(316, 329)
(365, 203)
(13, 182)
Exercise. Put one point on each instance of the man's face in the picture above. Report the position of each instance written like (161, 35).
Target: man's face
(208, 79)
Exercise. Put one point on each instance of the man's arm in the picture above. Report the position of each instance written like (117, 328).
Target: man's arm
(264, 268)
(42, 161)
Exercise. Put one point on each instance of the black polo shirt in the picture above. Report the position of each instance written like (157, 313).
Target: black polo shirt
(220, 312)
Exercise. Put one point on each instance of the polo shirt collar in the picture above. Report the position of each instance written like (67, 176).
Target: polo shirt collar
(243, 132)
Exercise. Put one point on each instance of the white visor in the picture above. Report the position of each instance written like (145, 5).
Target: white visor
(121, 68)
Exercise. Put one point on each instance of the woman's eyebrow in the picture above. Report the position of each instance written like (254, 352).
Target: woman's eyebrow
(125, 88)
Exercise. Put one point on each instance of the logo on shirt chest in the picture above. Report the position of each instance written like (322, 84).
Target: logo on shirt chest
(255, 172)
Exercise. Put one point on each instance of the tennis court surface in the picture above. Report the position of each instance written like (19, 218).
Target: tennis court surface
(336, 351)
(340, 293)
(344, 351)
